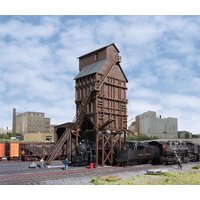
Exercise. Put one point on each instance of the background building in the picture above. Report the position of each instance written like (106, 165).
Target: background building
(32, 122)
(150, 125)
(184, 134)
(38, 137)
(4, 131)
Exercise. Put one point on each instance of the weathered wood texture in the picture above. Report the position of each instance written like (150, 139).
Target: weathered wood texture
(109, 102)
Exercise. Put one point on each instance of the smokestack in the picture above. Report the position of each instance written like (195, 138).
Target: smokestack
(14, 121)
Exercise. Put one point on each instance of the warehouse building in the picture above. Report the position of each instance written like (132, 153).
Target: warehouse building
(38, 137)
(151, 125)
(184, 134)
(32, 122)
(33, 126)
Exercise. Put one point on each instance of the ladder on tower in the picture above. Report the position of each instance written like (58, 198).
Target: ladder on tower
(80, 116)
(116, 60)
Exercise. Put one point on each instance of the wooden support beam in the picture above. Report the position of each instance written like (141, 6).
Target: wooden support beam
(97, 147)
(105, 123)
(103, 150)
(111, 149)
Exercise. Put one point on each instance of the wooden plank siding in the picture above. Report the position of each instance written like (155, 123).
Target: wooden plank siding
(101, 106)
(91, 58)
(110, 101)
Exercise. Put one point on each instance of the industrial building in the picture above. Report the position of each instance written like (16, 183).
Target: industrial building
(38, 137)
(33, 126)
(151, 125)
(30, 122)
(184, 134)
(101, 105)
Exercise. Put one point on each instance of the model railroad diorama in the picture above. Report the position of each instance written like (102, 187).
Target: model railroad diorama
(98, 131)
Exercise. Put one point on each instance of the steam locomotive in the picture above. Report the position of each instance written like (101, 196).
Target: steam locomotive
(85, 153)
(185, 150)
(154, 152)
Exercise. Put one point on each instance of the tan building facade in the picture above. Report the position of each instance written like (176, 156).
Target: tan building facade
(150, 125)
(39, 137)
(32, 122)
(184, 134)
(134, 128)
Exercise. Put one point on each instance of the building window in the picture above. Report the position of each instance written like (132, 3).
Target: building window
(48, 138)
(95, 56)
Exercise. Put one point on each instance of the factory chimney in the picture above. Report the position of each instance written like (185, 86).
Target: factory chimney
(14, 121)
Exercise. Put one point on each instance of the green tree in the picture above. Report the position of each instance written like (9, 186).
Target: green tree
(141, 137)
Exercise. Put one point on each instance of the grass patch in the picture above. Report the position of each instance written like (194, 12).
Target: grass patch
(169, 178)
(4, 140)
(106, 180)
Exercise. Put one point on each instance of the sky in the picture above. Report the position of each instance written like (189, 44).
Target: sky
(160, 57)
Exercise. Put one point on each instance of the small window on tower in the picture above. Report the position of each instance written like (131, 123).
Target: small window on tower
(96, 56)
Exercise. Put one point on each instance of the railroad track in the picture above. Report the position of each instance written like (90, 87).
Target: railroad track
(37, 177)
